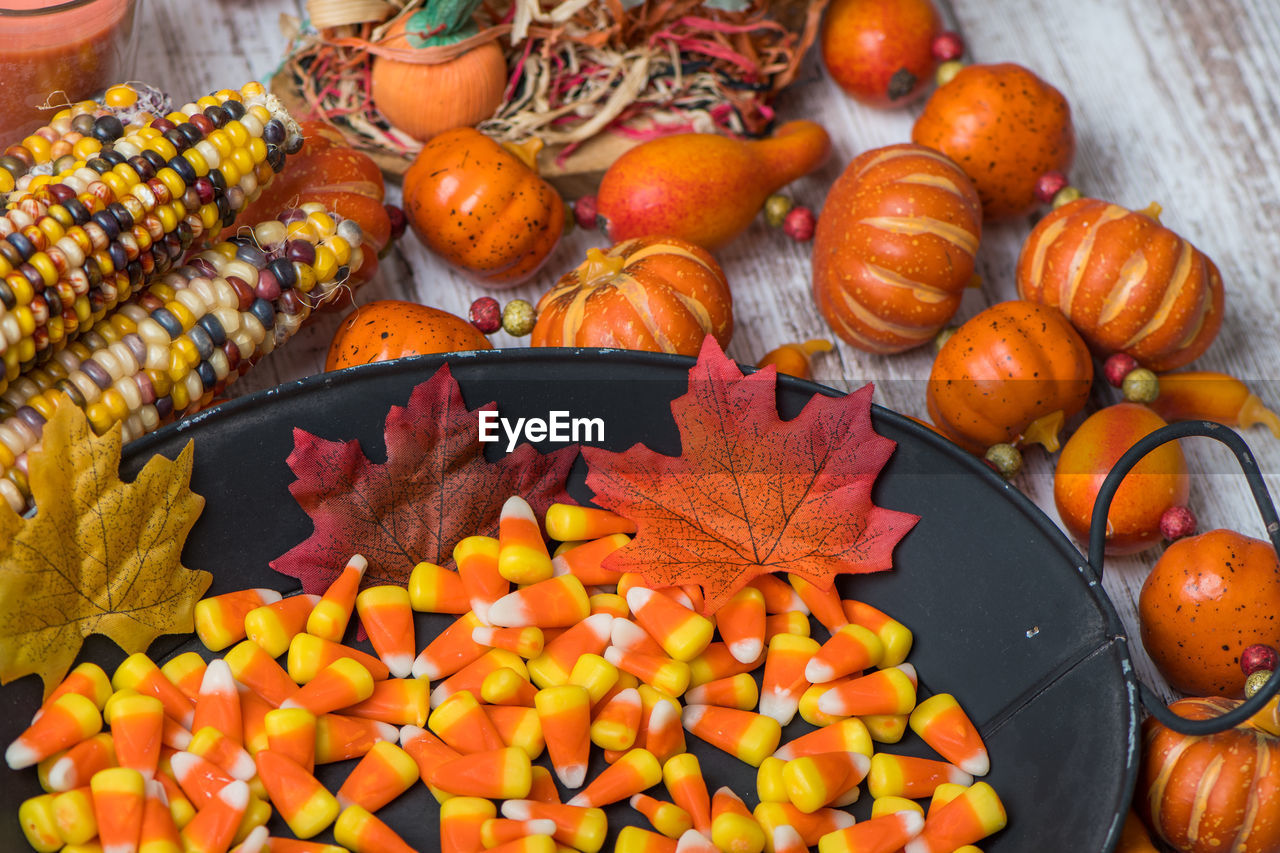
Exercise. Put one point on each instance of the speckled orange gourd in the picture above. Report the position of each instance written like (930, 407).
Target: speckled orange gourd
(1127, 283)
(894, 248)
(1005, 127)
(391, 328)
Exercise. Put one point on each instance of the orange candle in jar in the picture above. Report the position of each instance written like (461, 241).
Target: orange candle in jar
(73, 47)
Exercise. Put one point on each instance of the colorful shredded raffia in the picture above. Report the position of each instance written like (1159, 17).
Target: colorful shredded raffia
(581, 68)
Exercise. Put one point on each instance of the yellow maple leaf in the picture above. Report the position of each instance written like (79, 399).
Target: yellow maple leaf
(100, 556)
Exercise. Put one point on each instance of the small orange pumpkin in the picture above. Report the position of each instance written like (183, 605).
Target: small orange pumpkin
(894, 247)
(1215, 793)
(1013, 373)
(1127, 283)
(652, 293)
(482, 207)
(390, 328)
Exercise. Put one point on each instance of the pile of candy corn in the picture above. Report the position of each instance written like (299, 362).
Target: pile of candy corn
(199, 755)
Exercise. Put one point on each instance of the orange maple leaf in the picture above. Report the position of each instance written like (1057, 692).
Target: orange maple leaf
(751, 493)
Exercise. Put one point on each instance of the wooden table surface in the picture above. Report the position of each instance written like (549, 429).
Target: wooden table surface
(1172, 102)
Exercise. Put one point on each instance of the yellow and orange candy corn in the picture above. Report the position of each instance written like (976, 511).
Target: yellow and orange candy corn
(340, 684)
(911, 777)
(304, 803)
(159, 833)
(745, 735)
(332, 613)
(590, 636)
(664, 728)
(811, 827)
(784, 680)
(309, 654)
(526, 642)
(595, 674)
(339, 737)
(136, 722)
(505, 686)
(617, 723)
(75, 767)
(584, 562)
(291, 732)
(566, 522)
(669, 675)
(67, 721)
(630, 637)
(522, 554)
(716, 661)
(770, 787)
(852, 648)
(737, 691)
(558, 602)
(74, 816)
(682, 633)
(565, 713)
(499, 830)
(360, 831)
(518, 726)
(810, 698)
(477, 561)
(791, 622)
(388, 620)
(895, 636)
(733, 829)
(138, 672)
(634, 772)
(495, 774)
(87, 679)
(582, 828)
(633, 839)
(384, 773)
(119, 799)
(258, 671)
(186, 672)
(682, 775)
(885, 728)
(218, 702)
(199, 778)
(883, 834)
(428, 752)
(460, 722)
(888, 691)
(212, 745)
(543, 788)
(435, 589)
(610, 603)
(824, 604)
(779, 596)
(253, 713)
(829, 778)
(451, 650)
(943, 725)
(398, 701)
(667, 818)
(471, 677)
(220, 619)
(462, 820)
(972, 816)
(741, 622)
(273, 626)
(40, 823)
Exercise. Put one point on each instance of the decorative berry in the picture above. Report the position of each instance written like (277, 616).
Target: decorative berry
(486, 315)
(1257, 657)
(1177, 522)
(1066, 195)
(776, 208)
(944, 335)
(518, 318)
(1118, 366)
(1255, 682)
(947, 70)
(399, 222)
(1006, 459)
(1140, 386)
(947, 46)
(799, 224)
(586, 212)
(1049, 185)
(570, 218)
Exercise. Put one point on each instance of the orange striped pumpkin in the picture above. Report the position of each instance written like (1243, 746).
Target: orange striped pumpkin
(894, 247)
(1127, 283)
(658, 294)
(1214, 793)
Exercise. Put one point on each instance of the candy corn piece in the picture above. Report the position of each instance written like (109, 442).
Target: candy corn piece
(667, 818)
(360, 831)
(304, 803)
(566, 522)
(258, 671)
(694, 841)
(186, 672)
(199, 778)
(717, 662)
(888, 691)
(522, 554)
(460, 722)
(829, 778)
(255, 841)
(667, 674)
(331, 614)
(590, 636)
(471, 677)
(218, 702)
(388, 619)
(67, 721)
(500, 830)
(779, 596)
(811, 827)
(610, 603)
(505, 686)
(292, 845)
(770, 787)
(558, 602)
(253, 712)
(733, 829)
(595, 674)
(256, 814)
(634, 772)
(824, 604)
(664, 729)
(494, 774)
(136, 724)
(340, 684)
(884, 834)
(462, 820)
(970, 817)
(138, 672)
(911, 777)
(220, 619)
(526, 642)
(87, 679)
(75, 767)
(785, 839)
(784, 676)
(682, 775)
(582, 828)
(944, 793)
(885, 728)
(852, 648)
(791, 622)
(339, 737)
(543, 788)
(291, 732)
(212, 745)
(74, 816)
(745, 735)
(584, 561)
(40, 823)
(214, 826)
(889, 805)
(630, 637)
(616, 725)
(159, 833)
(565, 713)
(895, 636)
(741, 622)
(435, 589)
(682, 633)
(519, 727)
(943, 724)
(848, 735)
(477, 561)
(119, 797)
(737, 691)
(384, 773)
(273, 626)
(451, 650)
(428, 752)
(398, 701)
(633, 839)
(308, 655)
(181, 809)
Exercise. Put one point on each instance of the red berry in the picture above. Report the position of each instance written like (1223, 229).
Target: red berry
(399, 222)
(1177, 522)
(947, 46)
(1117, 367)
(1258, 657)
(1048, 184)
(799, 224)
(586, 212)
(486, 315)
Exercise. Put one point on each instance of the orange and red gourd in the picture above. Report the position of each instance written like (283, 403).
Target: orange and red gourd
(390, 328)
(881, 51)
(894, 248)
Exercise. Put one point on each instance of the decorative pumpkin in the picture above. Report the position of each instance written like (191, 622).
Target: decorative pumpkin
(390, 328)
(1155, 484)
(881, 51)
(1005, 127)
(653, 293)
(482, 207)
(1206, 600)
(1127, 283)
(444, 79)
(1011, 374)
(894, 247)
(1212, 793)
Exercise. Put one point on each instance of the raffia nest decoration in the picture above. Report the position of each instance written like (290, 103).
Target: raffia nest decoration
(579, 70)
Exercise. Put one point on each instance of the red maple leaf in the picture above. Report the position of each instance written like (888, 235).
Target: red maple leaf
(435, 489)
(751, 493)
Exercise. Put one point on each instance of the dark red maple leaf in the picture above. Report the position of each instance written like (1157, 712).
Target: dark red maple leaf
(751, 493)
(435, 489)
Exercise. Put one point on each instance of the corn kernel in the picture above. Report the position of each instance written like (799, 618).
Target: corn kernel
(115, 183)
(172, 181)
(26, 320)
(209, 216)
(44, 266)
(38, 146)
(168, 219)
(197, 161)
(236, 133)
(257, 149)
(6, 181)
(86, 148)
(120, 95)
(326, 263)
(340, 247)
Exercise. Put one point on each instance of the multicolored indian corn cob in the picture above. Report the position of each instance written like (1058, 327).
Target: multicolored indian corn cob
(93, 304)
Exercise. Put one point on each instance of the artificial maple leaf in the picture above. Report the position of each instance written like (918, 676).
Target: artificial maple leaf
(100, 556)
(435, 489)
(751, 493)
